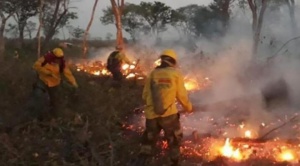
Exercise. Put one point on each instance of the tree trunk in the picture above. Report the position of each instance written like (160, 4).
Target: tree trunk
(53, 28)
(225, 12)
(2, 42)
(48, 37)
(39, 29)
(259, 26)
(84, 45)
(2, 28)
(21, 34)
(119, 30)
(253, 8)
(291, 6)
(29, 31)
(54, 23)
(2, 48)
(117, 13)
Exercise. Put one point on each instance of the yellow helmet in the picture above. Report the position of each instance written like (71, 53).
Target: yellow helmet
(58, 52)
(170, 53)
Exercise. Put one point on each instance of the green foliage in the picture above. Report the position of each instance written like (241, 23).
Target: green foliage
(157, 15)
(56, 14)
(26, 10)
(185, 21)
(145, 17)
(131, 21)
(153, 17)
(77, 33)
(8, 6)
(207, 22)
(12, 29)
(22, 9)
(56, 21)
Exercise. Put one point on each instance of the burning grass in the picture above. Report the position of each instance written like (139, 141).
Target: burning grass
(98, 68)
(136, 71)
(98, 126)
(218, 148)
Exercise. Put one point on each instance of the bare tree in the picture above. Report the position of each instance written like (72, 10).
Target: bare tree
(84, 45)
(25, 10)
(5, 14)
(29, 28)
(56, 15)
(40, 27)
(257, 20)
(118, 7)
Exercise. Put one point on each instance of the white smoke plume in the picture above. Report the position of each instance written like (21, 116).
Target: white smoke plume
(236, 96)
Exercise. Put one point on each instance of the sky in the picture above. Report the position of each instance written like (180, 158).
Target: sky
(84, 9)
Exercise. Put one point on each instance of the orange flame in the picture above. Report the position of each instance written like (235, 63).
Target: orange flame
(191, 84)
(125, 66)
(97, 73)
(248, 134)
(228, 151)
(286, 155)
(131, 75)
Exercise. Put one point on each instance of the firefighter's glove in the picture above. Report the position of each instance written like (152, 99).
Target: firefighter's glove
(75, 86)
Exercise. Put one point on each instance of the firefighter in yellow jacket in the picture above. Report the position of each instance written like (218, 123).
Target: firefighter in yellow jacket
(49, 69)
(163, 87)
(115, 61)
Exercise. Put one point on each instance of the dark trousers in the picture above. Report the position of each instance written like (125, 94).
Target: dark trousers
(117, 78)
(53, 97)
(52, 94)
(173, 133)
(117, 75)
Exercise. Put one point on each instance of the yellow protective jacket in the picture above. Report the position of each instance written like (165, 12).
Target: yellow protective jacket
(173, 88)
(50, 74)
(122, 58)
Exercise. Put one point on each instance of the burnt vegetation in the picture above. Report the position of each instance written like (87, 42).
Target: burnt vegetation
(99, 125)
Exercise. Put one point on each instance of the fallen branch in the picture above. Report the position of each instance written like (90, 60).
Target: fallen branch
(276, 53)
(278, 127)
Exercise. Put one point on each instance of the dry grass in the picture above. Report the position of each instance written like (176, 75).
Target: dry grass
(88, 130)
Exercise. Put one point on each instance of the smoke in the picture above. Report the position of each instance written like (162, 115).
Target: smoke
(242, 83)
(238, 94)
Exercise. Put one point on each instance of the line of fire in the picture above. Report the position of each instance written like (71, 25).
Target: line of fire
(232, 138)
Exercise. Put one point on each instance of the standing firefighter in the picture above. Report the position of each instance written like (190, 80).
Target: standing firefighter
(49, 69)
(114, 63)
(163, 86)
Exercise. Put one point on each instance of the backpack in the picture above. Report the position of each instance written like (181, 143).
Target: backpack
(156, 95)
(49, 59)
(112, 62)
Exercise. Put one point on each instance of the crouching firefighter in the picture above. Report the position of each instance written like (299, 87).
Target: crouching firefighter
(49, 69)
(164, 85)
(114, 64)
